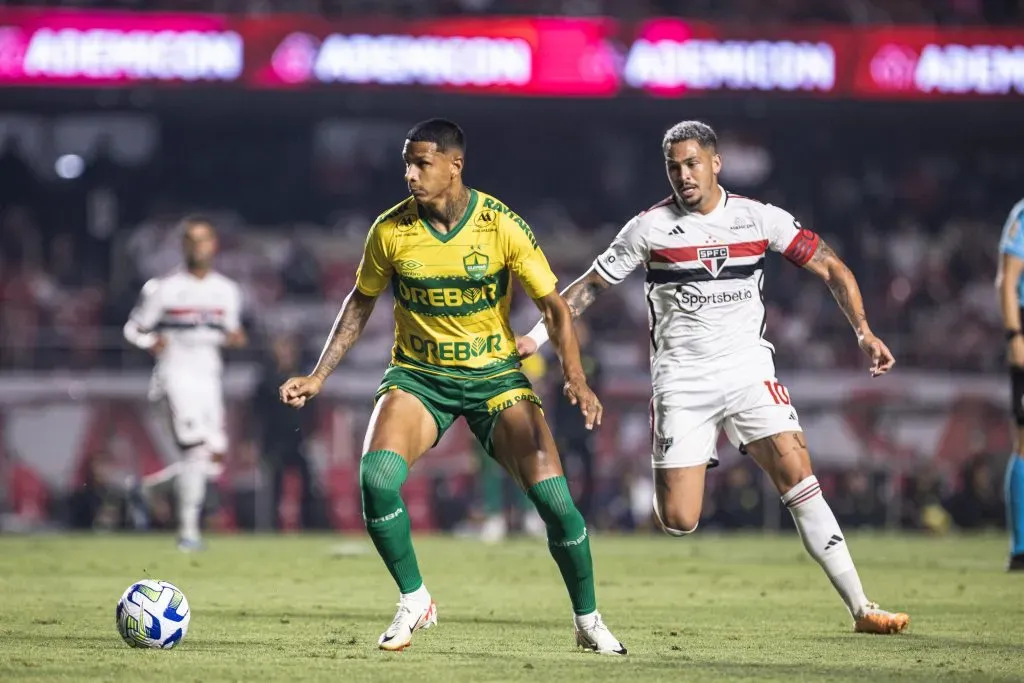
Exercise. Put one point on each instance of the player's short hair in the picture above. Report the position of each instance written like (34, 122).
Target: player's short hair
(690, 130)
(442, 132)
(186, 223)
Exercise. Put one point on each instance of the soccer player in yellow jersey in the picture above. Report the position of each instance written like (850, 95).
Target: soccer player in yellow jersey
(448, 253)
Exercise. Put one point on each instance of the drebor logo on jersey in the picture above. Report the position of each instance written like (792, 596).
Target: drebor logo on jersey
(691, 299)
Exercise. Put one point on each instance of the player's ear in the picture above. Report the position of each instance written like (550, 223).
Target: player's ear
(716, 163)
(456, 163)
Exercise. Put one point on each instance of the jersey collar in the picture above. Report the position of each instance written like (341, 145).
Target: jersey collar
(445, 237)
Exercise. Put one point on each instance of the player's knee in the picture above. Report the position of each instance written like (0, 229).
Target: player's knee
(381, 475)
(676, 521)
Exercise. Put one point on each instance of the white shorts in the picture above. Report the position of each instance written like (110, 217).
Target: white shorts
(196, 411)
(748, 401)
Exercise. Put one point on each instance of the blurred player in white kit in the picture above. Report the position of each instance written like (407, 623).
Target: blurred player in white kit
(183, 319)
(703, 250)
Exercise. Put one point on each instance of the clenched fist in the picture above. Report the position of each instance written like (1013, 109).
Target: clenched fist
(297, 390)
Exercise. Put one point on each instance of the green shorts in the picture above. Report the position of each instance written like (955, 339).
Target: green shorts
(480, 401)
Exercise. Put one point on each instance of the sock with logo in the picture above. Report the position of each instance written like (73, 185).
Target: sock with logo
(381, 475)
(824, 541)
(1015, 503)
(567, 540)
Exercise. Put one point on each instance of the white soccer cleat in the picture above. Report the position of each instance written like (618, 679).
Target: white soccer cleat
(411, 616)
(592, 634)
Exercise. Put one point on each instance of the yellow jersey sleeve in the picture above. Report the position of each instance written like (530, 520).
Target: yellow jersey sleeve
(526, 259)
(375, 268)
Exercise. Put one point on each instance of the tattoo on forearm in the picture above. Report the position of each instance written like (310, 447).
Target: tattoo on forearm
(580, 295)
(843, 285)
(347, 328)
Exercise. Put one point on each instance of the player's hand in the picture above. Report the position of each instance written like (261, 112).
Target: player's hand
(297, 390)
(526, 346)
(158, 346)
(881, 357)
(579, 394)
(1015, 352)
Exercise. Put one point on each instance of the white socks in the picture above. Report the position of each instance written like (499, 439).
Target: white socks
(825, 542)
(191, 489)
(420, 596)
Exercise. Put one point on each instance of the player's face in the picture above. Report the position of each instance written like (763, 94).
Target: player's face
(200, 245)
(429, 173)
(693, 172)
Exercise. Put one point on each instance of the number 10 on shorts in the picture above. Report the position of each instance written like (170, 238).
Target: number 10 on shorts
(778, 392)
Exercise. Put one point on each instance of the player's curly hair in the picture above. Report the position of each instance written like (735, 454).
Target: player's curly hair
(442, 132)
(690, 130)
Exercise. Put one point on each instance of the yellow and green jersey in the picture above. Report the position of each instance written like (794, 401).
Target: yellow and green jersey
(453, 291)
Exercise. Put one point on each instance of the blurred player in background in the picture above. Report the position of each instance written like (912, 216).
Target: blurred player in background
(448, 253)
(1010, 286)
(183, 319)
(703, 250)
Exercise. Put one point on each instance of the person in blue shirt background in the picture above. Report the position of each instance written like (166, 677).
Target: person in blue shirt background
(1010, 286)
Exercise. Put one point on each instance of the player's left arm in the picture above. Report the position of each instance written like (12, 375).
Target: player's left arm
(826, 264)
(806, 249)
(527, 261)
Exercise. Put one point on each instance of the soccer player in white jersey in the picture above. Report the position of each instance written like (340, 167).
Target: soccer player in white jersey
(183, 319)
(1010, 288)
(703, 250)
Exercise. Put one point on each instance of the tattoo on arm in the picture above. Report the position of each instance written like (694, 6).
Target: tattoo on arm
(842, 283)
(347, 327)
(580, 294)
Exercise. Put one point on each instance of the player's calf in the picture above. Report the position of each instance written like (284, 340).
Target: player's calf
(381, 475)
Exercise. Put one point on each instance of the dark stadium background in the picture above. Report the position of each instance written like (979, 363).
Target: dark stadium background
(908, 169)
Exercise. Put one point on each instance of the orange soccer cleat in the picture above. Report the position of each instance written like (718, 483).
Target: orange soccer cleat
(875, 620)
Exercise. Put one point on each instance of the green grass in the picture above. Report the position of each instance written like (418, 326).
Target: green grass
(305, 608)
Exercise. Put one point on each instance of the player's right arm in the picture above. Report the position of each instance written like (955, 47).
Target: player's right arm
(1008, 275)
(139, 330)
(372, 277)
(624, 254)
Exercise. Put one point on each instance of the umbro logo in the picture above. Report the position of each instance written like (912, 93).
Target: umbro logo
(835, 540)
(677, 231)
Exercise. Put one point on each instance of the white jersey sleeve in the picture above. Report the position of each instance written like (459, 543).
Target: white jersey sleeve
(786, 236)
(628, 250)
(139, 330)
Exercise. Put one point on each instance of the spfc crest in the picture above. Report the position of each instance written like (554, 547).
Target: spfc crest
(713, 258)
(475, 264)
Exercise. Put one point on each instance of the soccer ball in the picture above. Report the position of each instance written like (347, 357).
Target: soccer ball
(152, 614)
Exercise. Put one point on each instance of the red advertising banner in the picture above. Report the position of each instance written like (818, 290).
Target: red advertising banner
(928, 63)
(516, 56)
(674, 58)
(542, 57)
(73, 48)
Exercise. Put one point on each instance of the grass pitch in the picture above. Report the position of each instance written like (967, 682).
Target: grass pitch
(310, 608)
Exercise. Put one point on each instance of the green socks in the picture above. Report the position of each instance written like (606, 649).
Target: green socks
(381, 475)
(567, 540)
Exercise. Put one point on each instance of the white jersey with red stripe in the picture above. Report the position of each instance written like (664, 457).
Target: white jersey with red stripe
(193, 315)
(704, 280)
